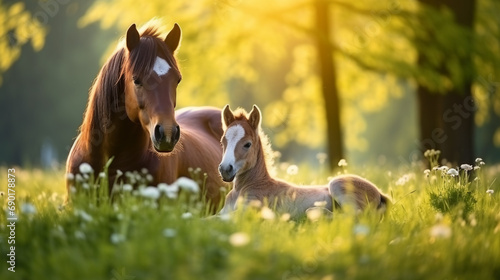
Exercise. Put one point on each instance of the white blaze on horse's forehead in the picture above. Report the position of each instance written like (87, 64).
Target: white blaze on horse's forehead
(161, 66)
(233, 136)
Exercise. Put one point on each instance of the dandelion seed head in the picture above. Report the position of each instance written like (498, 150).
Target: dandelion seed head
(440, 231)
(85, 168)
(28, 208)
(466, 167)
(239, 239)
(79, 235)
(127, 188)
(452, 172)
(169, 232)
(267, 214)
(187, 184)
(116, 238)
(292, 170)
(150, 192)
(186, 215)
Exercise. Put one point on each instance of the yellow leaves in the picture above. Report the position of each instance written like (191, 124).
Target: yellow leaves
(18, 28)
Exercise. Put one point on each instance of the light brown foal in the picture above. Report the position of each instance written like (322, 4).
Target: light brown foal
(244, 161)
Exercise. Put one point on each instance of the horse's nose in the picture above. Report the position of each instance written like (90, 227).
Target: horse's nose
(176, 132)
(159, 133)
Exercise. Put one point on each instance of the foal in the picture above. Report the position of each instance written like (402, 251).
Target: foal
(246, 150)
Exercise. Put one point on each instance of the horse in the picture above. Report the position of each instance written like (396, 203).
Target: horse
(246, 160)
(131, 117)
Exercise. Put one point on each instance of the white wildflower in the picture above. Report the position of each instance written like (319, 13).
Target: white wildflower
(84, 215)
(490, 191)
(476, 168)
(149, 178)
(144, 171)
(440, 231)
(169, 232)
(452, 172)
(85, 168)
(102, 175)
(285, 217)
(117, 238)
(267, 214)
(292, 170)
(187, 184)
(150, 192)
(361, 230)
(127, 188)
(427, 172)
(170, 191)
(118, 173)
(314, 214)
(444, 168)
(70, 176)
(479, 159)
(342, 163)
(403, 180)
(466, 167)
(72, 189)
(239, 239)
(321, 157)
(79, 178)
(79, 235)
(186, 215)
(86, 186)
(28, 208)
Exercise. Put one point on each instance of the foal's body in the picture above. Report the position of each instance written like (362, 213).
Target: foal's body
(244, 161)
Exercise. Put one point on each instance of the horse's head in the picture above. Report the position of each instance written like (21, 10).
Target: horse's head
(240, 142)
(151, 77)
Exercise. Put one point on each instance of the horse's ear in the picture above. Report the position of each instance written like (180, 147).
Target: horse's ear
(133, 37)
(173, 38)
(227, 116)
(254, 118)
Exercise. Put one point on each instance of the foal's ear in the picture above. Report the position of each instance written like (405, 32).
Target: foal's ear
(227, 116)
(133, 37)
(173, 38)
(254, 118)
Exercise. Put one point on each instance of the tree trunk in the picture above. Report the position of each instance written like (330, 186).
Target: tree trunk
(329, 82)
(447, 119)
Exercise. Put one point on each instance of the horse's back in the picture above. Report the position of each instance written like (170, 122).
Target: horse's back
(203, 119)
(347, 189)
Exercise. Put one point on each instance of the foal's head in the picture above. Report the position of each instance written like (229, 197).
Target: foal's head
(241, 142)
(151, 77)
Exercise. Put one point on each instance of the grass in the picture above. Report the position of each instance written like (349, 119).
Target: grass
(429, 233)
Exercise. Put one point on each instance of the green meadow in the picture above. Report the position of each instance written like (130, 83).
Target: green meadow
(443, 224)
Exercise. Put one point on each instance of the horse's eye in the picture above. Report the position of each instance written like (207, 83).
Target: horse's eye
(137, 81)
(247, 145)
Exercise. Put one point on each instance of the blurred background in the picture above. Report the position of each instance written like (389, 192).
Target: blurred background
(374, 82)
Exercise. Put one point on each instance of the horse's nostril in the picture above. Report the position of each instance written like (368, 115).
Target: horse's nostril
(230, 168)
(159, 132)
(177, 132)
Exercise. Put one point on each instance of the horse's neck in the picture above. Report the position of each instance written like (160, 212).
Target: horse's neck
(256, 177)
(127, 141)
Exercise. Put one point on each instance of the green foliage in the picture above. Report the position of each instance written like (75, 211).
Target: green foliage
(136, 237)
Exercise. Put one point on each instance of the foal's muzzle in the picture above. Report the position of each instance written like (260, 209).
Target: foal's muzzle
(164, 140)
(227, 172)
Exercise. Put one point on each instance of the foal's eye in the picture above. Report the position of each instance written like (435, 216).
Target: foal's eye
(247, 145)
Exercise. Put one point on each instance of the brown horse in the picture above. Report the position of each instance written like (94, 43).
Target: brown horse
(131, 116)
(246, 151)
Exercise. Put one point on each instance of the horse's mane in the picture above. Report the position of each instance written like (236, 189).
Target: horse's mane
(241, 115)
(106, 96)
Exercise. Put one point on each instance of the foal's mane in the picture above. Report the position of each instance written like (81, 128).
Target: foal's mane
(241, 115)
(106, 97)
